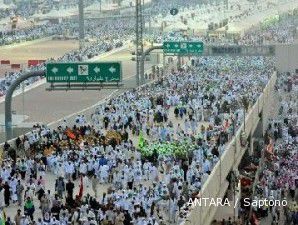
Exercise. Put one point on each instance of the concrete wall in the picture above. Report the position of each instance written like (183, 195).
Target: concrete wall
(287, 57)
(216, 185)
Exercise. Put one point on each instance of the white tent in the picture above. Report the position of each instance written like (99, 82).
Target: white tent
(24, 23)
(197, 26)
(56, 14)
(176, 26)
(232, 29)
(103, 6)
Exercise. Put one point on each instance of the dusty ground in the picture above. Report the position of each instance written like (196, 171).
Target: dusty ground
(34, 50)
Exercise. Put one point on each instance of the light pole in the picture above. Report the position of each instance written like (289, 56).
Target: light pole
(23, 94)
(81, 24)
(139, 42)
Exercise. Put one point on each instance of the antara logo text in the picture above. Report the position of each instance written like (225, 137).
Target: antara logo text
(206, 202)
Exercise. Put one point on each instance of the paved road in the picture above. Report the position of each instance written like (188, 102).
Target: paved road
(45, 106)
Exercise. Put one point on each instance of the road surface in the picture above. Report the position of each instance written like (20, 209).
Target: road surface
(48, 106)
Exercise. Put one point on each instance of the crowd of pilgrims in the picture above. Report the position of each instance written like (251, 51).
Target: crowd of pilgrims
(203, 104)
(109, 33)
(279, 176)
(26, 8)
(103, 29)
(125, 26)
(283, 32)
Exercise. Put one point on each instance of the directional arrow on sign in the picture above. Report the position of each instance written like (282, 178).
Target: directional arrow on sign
(84, 72)
(96, 69)
(69, 70)
(55, 70)
(112, 69)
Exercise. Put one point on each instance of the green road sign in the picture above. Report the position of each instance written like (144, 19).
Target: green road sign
(84, 72)
(183, 47)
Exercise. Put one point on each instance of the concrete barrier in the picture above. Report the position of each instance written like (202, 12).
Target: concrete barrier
(216, 185)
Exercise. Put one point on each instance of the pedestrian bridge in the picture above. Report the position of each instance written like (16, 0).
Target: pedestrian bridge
(230, 49)
(240, 50)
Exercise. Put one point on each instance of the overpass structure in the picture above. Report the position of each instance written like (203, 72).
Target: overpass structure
(231, 50)
(209, 50)
(239, 50)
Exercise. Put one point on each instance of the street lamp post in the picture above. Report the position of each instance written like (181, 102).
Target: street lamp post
(81, 24)
(139, 42)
